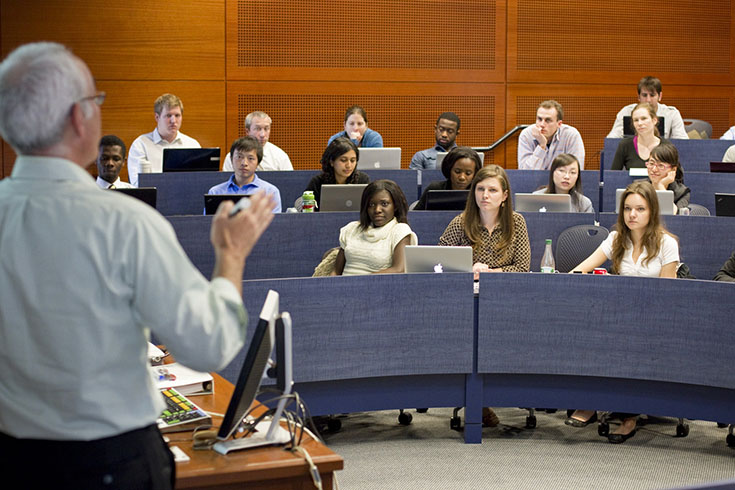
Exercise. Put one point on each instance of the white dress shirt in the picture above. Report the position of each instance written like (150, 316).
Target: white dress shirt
(118, 183)
(673, 123)
(83, 273)
(273, 159)
(150, 147)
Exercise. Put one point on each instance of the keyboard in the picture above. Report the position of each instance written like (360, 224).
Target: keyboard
(180, 413)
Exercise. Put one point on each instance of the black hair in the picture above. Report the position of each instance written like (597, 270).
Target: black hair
(456, 154)
(400, 205)
(246, 144)
(112, 140)
(449, 116)
(337, 148)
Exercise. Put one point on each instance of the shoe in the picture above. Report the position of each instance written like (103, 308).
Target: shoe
(620, 438)
(572, 422)
(489, 419)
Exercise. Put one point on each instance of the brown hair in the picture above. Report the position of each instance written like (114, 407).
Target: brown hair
(473, 222)
(667, 153)
(651, 112)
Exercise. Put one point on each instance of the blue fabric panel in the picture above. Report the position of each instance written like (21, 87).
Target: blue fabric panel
(549, 225)
(694, 155)
(407, 180)
(429, 225)
(182, 192)
(705, 242)
(651, 329)
(372, 326)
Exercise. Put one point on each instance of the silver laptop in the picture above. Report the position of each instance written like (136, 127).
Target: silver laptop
(665, 201)
(435, 258)
(341, 197)
(379, 158)
(542, 203)
(440, 158)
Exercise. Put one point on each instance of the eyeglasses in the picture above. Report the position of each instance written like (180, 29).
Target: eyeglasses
(660, 166)
(98, 98)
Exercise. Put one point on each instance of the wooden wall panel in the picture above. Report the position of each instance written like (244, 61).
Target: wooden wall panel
(577, 41)
(306, 114)
(346, 40)
(592, 109)
(133, 40)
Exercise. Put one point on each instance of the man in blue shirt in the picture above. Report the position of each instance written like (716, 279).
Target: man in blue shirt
(246, 155)
(445, 131)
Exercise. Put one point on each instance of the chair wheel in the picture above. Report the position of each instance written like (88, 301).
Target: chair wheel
(531, 422)
(603, 429)
(405, 418)
(422, 410)
(334, 425)
(682, 430)
(455, 423)
(730, 440)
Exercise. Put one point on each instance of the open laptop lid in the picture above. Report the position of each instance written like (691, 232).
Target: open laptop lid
(722, 167)
(628, 129)
(441, 154)
(146, 194)
(191, 159)
(542, 203)
(379, 158)
(341, 197)
(212, 201)
(446, 200)
(665, 201)
(724, 204)
(435, 258)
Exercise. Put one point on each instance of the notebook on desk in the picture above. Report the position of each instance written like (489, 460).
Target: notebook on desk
(191, 159)
(341, 197)
(542, 203)
(436, 258)
(379, 159)
(665, 201)
(724, 204)
(441, 154)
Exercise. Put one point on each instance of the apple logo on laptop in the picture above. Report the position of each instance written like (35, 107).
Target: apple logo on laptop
(438, 268)
(348, 203)
(377, 164)
(542, 210)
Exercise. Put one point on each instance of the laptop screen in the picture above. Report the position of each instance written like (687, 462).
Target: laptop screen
(212, 201)
(446, 200)
(191, 159)
(436, 258)
(146, 194)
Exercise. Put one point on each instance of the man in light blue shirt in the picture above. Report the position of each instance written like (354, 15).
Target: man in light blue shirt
(246, 156)
(445, 132)
(540, 143)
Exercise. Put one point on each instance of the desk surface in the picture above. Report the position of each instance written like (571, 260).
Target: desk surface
(267, 468)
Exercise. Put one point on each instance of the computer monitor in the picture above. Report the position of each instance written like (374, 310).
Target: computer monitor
(446, 200)
(146, 194)
(191, 159)
(212, 201)
(272, 330)
(628, 129)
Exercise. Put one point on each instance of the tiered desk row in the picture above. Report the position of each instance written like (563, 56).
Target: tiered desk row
(657, 346)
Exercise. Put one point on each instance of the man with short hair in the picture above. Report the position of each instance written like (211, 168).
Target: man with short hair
(258, 125)
(84, 276)
(540, 143)
(168, 110)
(110, 160)
(247, 155)
(649, 90)
(446, 130)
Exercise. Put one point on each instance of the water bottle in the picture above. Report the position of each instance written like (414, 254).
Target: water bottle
(308, 202)
(547, 261)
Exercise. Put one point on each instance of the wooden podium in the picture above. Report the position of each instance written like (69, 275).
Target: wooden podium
(263, 468)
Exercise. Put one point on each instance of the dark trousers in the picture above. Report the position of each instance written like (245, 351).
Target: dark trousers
(138, 459)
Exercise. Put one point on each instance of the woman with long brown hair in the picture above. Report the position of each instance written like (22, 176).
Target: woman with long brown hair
(639, 246)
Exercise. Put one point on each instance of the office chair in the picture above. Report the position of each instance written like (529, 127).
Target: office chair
(703, 128)
(698, 210)
(576, 243)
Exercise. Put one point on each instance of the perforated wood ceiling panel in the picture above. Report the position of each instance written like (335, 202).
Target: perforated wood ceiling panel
(420, 34)
(677, 36)
(302, 124)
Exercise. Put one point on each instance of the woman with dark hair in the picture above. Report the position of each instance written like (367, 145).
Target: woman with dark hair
(339, 166)
(634, 152)
(459, 167)
(639, 246)
(564, 178)
(665, 173)
(356, 129)
(375, 243)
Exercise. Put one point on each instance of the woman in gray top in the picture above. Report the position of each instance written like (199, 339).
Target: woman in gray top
(565, 178)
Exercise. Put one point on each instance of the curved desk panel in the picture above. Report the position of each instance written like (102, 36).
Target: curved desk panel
(607, 342)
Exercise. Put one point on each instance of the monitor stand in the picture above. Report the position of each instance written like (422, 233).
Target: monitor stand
(257, 439)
